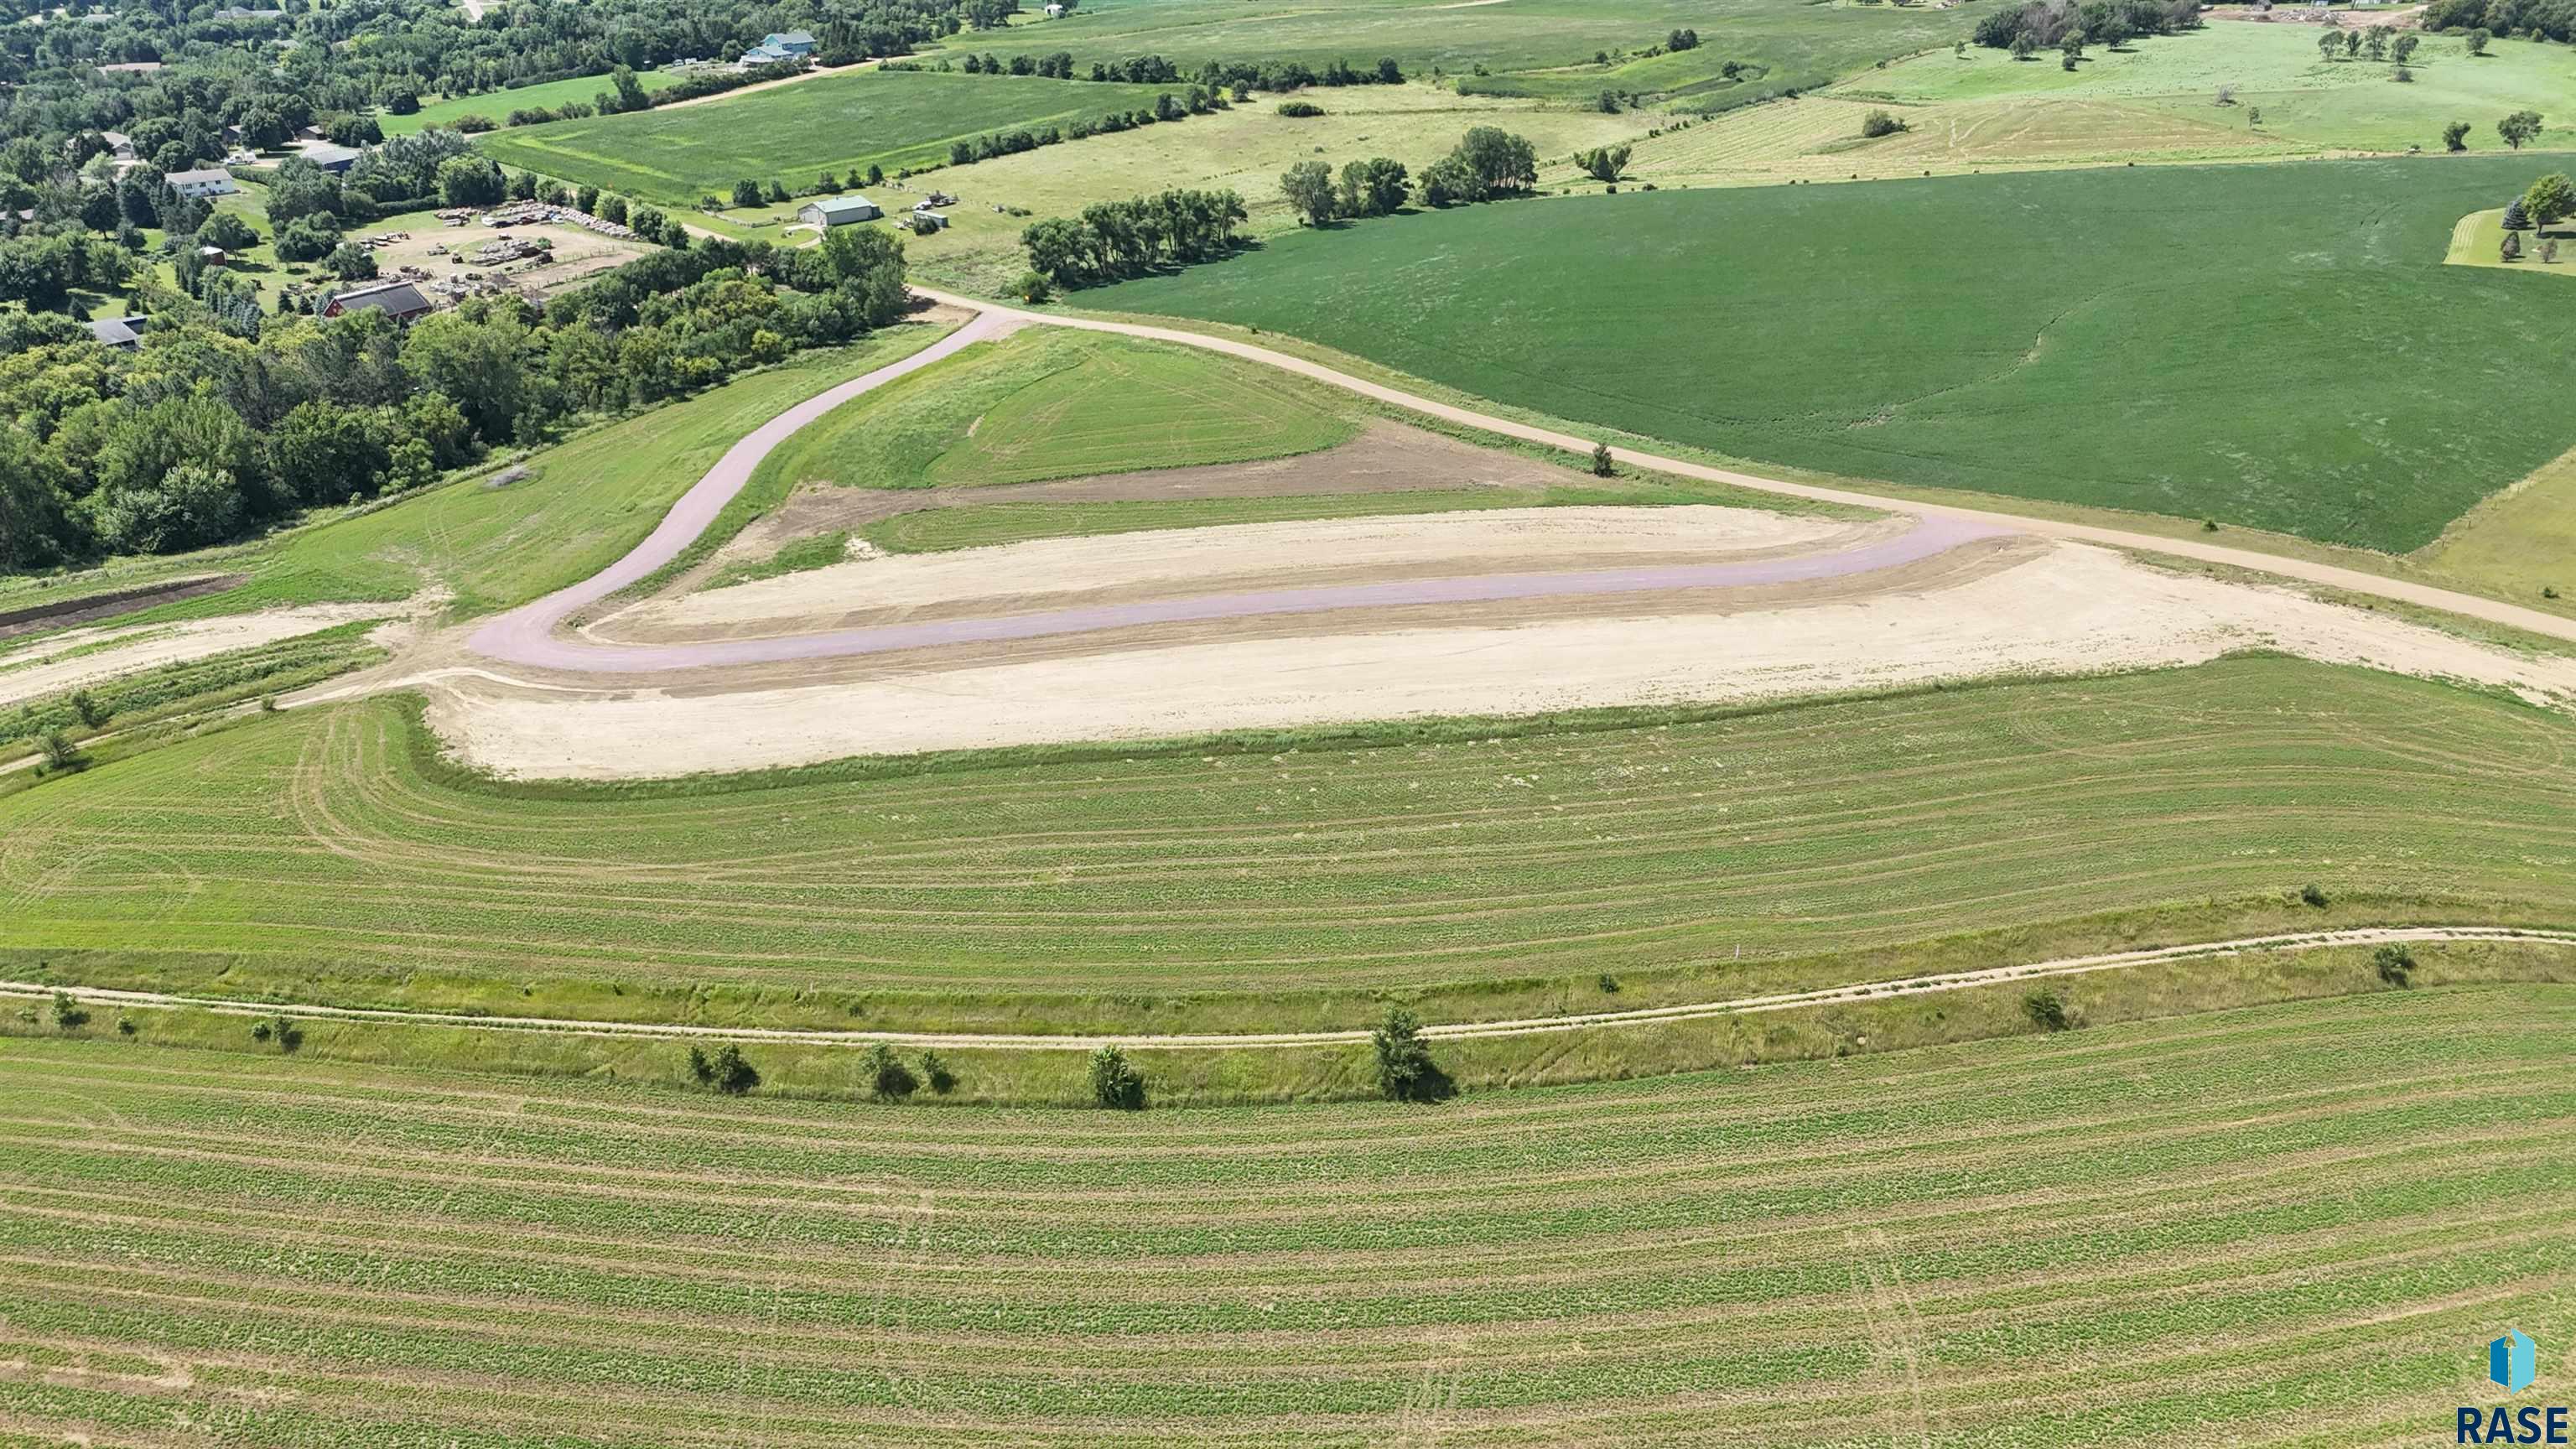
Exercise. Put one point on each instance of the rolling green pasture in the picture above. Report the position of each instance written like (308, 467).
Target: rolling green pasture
(497, 105)
(793, 133)
(1280, 881)
(1053, 403)
(1539, 48)
(2175, 340)
(2352, 104)
(2301, 1222)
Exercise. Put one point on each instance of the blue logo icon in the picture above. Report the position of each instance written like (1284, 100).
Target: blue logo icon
(2512, 1361)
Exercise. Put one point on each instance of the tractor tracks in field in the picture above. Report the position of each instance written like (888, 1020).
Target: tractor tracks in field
(1853, 994)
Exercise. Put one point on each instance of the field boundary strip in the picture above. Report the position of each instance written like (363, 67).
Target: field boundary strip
(1220, 1041)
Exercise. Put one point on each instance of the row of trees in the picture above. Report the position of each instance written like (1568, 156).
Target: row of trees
(201, 435)
(2529, 19)
(1486, 163)
(1167, 107)
(2046, 24)
(2373, 39)
(1113, 239)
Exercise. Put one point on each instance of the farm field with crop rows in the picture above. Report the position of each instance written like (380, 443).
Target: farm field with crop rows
(1934, 331)
(2302, 1221)
(1276, 884)
(890, 118)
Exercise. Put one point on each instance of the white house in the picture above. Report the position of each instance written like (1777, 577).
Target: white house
(835, 211)
(201, 183)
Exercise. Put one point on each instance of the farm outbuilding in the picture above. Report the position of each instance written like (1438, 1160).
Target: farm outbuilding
(401, 301)
(838, 211)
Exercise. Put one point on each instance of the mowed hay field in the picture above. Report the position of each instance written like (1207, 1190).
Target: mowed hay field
(497, 105)
(793, 133)
(2179, 340)
(1541, 48)
(2274, 67)
(2293, 1224)
(1483, 870)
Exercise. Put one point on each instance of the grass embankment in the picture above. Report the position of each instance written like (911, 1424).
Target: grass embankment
(1483, 869)
(2303, 1222)
(791, 134)
(1930, 333)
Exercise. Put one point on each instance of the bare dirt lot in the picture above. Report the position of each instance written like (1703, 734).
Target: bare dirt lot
(80, 657)
(1990, 607)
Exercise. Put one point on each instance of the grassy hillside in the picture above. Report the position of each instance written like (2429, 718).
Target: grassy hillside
(1543, 48)
(2277, 346)
(793, 133)
(2302, 1223)
(1050, 403)
(1493, 870)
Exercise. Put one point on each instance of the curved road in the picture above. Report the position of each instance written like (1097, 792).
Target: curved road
(531, 635)
(1525, 1026)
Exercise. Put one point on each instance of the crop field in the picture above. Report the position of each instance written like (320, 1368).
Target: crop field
(1540, 48)
(497, 105)
(793, 133)
(1279, 880)
(2302, 1222)
(2274, 68)
(1942, 332)
(1048, 403)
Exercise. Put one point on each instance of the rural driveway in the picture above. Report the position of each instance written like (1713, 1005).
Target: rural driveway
(532, 635)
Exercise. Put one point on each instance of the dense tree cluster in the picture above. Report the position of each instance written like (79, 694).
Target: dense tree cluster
(1113, 239)
(2046, 24)
(2530, 19)
(200, 434)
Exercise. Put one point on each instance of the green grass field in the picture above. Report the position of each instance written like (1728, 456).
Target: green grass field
(1539, 48)
(2301, 1223)
(1049, 403)
(2274, 68)
(2070, 336)
(497, 105)
(793, 133)
(1280, 882)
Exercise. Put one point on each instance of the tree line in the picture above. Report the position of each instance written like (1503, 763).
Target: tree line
(2528, 19)
(2046, 24)
(200, 435)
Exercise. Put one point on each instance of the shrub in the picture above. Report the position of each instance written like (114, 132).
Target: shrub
(125, 1026)
(85, 704)
(727, 1070)
(476, 125)
(69, 1014)
(1602, 467)
(1405, 1072)
(59, 752)
(934, 1070)
(2046, 1010)
(1115, 1082)
(1033, 287)
(2312, 894)
(1300, 110)
(285, 1035)
(1880, 123)
(889, 1080)
(2395, 963)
